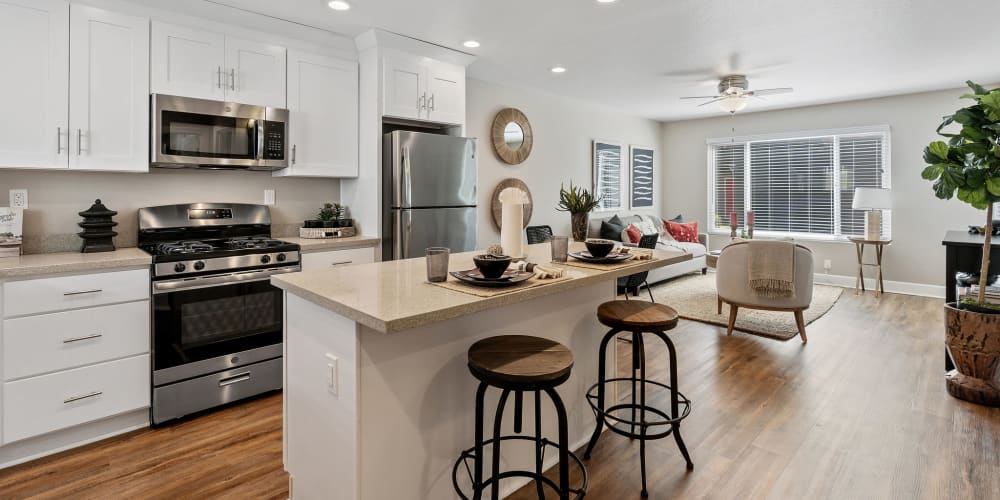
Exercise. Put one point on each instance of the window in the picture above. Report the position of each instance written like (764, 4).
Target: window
(797, 184)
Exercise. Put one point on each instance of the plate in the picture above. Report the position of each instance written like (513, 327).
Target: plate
(611, 258)
(509, 278)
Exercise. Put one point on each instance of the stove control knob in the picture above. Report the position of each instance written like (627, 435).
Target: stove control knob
(265, 259)
(180, 267)
(281, 257)
(198, 266)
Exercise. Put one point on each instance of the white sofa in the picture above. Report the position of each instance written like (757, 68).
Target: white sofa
(697, 251)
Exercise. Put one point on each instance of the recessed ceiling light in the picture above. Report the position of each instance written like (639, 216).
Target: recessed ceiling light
(557, 69)
(339, 5)
(471, 44)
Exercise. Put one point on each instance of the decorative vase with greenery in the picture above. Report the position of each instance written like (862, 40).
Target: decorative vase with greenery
(578, 202)
(968, 166)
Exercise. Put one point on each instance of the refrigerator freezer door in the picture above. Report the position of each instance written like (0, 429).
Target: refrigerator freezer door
(417, 229)
(430, 170)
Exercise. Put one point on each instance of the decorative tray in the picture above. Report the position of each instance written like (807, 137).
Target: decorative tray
(608, 259)
(510, 277)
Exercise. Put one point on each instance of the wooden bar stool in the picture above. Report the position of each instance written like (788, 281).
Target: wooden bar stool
(519, 364)
(653, 423)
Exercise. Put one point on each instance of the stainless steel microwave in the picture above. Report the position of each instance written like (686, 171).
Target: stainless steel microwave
(200, 133)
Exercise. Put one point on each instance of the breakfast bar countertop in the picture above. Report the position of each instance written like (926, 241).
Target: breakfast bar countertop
(393, 296)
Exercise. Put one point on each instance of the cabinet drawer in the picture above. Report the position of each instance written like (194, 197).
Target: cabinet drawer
(58, 341)
(46, 403)
(69, 292)
(335, 258)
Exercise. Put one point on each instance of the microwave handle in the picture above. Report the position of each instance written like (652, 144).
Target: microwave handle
(260, 140)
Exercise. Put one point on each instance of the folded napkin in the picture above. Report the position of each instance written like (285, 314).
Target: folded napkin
(641, 253)
(771, 268)
(545, 273)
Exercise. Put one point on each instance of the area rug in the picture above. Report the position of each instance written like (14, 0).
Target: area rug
(693, 297)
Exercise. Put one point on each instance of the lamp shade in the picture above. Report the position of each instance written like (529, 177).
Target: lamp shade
(872, 199)
(733, 103)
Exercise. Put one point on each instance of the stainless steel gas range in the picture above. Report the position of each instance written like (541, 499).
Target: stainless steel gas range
(216, 319)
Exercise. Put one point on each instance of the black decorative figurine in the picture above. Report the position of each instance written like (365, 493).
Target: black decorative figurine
(97, 234)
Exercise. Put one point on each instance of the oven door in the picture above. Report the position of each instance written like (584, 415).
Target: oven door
(205, 330)
(197, 132)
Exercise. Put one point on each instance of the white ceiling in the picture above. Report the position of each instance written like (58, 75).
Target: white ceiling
(618, 53)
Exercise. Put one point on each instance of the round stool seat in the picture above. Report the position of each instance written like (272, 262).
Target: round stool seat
(636, 314)
(520, 360)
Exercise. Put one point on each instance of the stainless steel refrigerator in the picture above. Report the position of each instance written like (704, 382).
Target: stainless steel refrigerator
(429, 194)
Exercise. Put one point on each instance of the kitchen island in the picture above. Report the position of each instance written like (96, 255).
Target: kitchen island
(378, 400)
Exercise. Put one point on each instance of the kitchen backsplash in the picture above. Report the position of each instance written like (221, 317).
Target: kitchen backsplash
(54, 198)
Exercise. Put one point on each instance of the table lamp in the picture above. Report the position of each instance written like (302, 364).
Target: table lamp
(874, 200)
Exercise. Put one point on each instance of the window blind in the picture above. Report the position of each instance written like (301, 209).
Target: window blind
(797, 185)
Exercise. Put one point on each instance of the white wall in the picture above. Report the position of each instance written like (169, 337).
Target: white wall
(919, 220)
(54, 198)
(563, 130)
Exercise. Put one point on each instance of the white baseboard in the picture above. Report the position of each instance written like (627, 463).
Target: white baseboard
(920, 289)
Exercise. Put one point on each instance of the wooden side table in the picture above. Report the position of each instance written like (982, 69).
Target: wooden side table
(859, 245)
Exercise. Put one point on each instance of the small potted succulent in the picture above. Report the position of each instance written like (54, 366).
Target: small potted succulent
(968, 166)
(578, 202)
(330, 215)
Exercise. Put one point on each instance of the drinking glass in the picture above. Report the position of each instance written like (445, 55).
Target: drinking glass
(560, 245)
(437, 264)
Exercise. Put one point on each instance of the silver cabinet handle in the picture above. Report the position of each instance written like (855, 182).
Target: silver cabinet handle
(232, 78)
(85, 396)
(82, 292)
(59, 147)
(218, 77)
(430, 102)
(235, 379)
(293, 154)
(85, 337)
(342, 263)
(422, 102)
(79, 143)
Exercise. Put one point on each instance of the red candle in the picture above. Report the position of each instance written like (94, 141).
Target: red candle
(750, 217)
(732, 219)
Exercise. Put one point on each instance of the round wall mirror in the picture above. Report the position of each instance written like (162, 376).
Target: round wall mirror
(512, 136)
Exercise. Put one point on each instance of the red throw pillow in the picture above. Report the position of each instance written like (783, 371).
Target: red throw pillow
(687, 231)
(634, 235)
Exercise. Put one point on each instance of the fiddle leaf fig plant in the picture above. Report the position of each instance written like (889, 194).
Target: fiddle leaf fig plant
(967, 165)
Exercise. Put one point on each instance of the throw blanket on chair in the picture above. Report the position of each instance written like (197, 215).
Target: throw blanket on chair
(771, 268)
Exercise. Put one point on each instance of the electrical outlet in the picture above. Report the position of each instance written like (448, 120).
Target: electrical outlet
(19, 198)
(333, 375)
(269, 197)
(827, 264)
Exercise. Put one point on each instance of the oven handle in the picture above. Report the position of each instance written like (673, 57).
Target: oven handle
(160, 287)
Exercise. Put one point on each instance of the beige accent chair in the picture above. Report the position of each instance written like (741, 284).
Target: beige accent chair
(732, 283)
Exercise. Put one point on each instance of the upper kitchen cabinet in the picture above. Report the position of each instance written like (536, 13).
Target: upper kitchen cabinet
(109, 90)
(323, 102)
(206, 65)
(420, 88)
(34, 93)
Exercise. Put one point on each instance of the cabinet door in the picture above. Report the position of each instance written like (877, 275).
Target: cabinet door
(109, 90)
(34, 48)
(188, 62)
(445, 93)
(316, 261)
(256, 73)
(404, 86)
(323, 101)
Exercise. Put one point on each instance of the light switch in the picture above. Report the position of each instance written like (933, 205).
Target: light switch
(333, 375)
(269, 197)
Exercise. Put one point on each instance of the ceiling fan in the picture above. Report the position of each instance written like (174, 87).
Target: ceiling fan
(734, 93)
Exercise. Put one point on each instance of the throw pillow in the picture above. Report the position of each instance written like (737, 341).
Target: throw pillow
(610, 230)
(686, 232)
(646, 227)
(656, 221)
(679, 219)
(633, 234)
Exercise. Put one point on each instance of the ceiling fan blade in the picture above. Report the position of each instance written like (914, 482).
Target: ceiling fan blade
(702, 97)
(706, 103)
(760, 92)
(699, 74)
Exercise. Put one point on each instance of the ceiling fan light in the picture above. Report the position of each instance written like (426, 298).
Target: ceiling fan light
(733, 104)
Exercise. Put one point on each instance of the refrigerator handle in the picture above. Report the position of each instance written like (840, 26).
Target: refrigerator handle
(407, 222)
(407, 181)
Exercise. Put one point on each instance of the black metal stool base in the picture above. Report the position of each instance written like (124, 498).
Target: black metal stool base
(608, 415)
(541, 444)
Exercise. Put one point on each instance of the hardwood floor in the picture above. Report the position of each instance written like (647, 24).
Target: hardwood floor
(859, 412)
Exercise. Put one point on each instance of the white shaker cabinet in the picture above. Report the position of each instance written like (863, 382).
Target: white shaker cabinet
(335, 258)
(205, 65)
(108, 91)
(323, 101)
(34, 48)
(420, 88)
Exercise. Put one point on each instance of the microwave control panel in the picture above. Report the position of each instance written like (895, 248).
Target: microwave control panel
(274, 140)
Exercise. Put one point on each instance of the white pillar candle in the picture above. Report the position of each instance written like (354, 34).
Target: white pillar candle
(512, 202)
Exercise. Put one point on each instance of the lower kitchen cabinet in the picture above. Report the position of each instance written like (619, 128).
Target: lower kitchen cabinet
(322, 260)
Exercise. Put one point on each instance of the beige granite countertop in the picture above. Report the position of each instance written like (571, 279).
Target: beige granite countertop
(71, 262)
(394, 296)
(320, 245)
